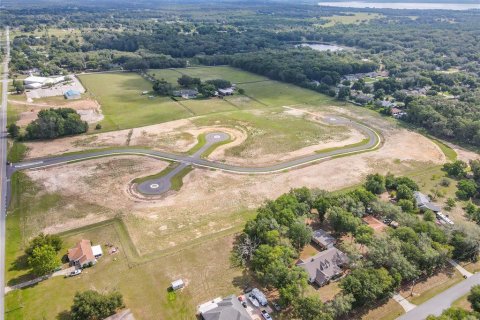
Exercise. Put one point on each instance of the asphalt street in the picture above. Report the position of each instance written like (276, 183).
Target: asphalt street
(163, 184)
(3, 171)
(441, 301)
(373, 143)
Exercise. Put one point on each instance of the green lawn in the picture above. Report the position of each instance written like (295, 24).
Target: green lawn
(274, 93)
(123, 105)
(228, 73)
(204, 106)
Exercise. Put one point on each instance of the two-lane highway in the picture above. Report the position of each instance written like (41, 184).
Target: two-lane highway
(3, 171)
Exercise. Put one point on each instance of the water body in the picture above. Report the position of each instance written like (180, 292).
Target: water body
(321, 47)
(402, 5)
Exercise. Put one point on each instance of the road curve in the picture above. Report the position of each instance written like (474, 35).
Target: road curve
(373, 143)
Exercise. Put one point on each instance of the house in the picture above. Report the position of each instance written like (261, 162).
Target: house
(397, 113)
(423, 202)
(186, 93)
(226, 91)
(324, 266)
(229, 308)
(72, 94)
(177, 284)
(323, 239)
(82, 255)
(34, 79)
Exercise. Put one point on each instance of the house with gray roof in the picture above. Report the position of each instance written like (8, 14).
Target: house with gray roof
(228, 308)
(324, 266)
(423, 202)
(323, 239)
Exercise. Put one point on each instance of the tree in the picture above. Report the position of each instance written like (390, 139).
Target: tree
(375, 183)
(54, 123)
(187, 81)
(92, 305)
(343, 93)
(44, 239)
(311, 308)
(241, 91)
(455, 314)
(474, 298)
(428, 215)
(475, 166)
(406, 205)
(363, 234)
(163, 87)
(43, 260)
(219, 83)
(18, 85)
(341, 305)
(13, 130)
(207, 90)
(455, 169)
(404, 192)
(465, 246)
(466, 189)
(300, 234)
(367, 285)
(342, 221)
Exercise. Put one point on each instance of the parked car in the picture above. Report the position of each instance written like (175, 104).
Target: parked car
(253, 300)
(244, 304)
(265, 315)
(276, 306)
(75, 273)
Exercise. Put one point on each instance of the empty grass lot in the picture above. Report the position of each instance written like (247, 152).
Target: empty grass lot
(205, 106)
(123, 105)
(274, 93)
(233, 75)
(271, 131)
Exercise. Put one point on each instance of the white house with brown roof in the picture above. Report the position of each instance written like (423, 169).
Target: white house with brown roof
(82, 255)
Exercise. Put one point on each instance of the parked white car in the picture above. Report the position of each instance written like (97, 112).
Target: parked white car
(75, 273)
(265, 315)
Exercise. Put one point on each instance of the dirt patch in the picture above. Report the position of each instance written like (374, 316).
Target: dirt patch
(88, 109)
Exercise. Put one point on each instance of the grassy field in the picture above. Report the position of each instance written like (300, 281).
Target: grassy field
(274, 93)
(352, 18)
(206, 271)
(124, 106)
(267, 130)
(205, 106)
(432, 286)
(223, 72)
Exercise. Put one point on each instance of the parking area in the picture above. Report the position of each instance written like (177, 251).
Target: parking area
(254, 311)
(56, 90)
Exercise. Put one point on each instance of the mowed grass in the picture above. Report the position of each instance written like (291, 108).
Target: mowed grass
(123, 105)
(204, 106)
(207, 272)
(276, 94)
(233, 75)
(271, 131)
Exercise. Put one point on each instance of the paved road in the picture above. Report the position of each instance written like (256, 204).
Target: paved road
(442, 300)
(3, 175)
(163, 184)
(373, 143)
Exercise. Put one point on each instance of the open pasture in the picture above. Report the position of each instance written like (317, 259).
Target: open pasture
(124, 106)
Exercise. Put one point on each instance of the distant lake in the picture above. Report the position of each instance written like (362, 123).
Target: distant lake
(402, 5)
(321, 47)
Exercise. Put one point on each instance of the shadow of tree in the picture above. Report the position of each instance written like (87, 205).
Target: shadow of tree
(64, 315)
(20, 279)
(21, 263)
